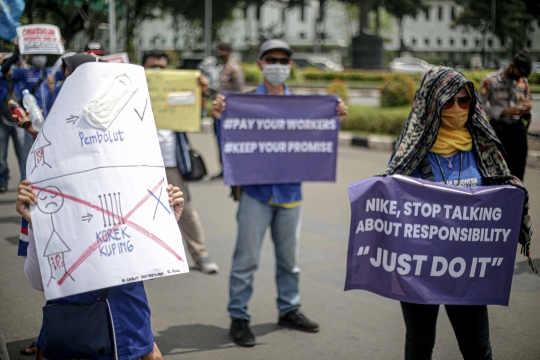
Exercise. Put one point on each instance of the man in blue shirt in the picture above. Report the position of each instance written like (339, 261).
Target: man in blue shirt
(277, 206)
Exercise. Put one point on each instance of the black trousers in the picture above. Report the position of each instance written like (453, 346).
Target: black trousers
(470, 323)
(514, 140)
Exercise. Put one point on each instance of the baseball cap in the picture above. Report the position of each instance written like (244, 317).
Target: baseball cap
(523, 62)
(274, 44)
(94, 47)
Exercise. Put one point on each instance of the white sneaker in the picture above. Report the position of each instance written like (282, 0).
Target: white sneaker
(207, 266)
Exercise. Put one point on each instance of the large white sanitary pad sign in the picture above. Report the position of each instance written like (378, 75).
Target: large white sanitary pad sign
(103, 216)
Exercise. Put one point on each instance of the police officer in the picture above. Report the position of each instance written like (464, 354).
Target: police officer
(506, 98)
(231, 75)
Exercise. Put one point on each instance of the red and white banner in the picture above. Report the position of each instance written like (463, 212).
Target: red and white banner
(117, 58)
(40, 39)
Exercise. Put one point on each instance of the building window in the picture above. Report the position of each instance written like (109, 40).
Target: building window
(464, 42)
(529, 43)
(477, 42)
(413, 40)
(283, 13)
(302, 35)
(427, 15)
(453, 13)
(440, 13)
(451, 42)
(426, 41)
(439, 42)
(302, 13)
(490, 43)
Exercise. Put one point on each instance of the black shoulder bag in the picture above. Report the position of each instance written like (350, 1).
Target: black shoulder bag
(72, 331)
(198, 169)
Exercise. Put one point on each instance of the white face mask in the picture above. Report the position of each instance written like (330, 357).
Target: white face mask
(39, 60)
(276, 74)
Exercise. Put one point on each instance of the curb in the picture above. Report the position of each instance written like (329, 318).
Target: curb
(533, 159)
(375, 142)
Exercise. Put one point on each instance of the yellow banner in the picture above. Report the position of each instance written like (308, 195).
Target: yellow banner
(176, 99)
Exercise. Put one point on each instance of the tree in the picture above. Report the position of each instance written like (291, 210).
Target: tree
(512, 21)
(402, 8)
(63, 14)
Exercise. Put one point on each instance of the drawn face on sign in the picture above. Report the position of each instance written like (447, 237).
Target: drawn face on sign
(50, 200)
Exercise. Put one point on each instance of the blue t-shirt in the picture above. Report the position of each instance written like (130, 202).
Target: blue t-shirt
(470, 175)
(279, 193)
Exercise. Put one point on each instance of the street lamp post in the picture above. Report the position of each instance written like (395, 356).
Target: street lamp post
(493, 7)
(208, 28)
(112, 27)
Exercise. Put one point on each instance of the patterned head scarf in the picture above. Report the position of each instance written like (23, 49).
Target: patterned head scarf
(439, 85)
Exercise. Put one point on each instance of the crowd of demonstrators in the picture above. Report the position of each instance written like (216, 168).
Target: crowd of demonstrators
(175, 151)
(448, 139)
(506, 98)
(277, 206)
(458, 146)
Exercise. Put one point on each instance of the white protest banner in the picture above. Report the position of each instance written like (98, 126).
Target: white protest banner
(117, 58)
(40, 39)
(102, 217)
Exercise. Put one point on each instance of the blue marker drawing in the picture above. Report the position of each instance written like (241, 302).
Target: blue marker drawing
(158, 202)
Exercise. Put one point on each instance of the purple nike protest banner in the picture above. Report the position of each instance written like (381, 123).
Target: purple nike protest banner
(270, 139)
(428, 243)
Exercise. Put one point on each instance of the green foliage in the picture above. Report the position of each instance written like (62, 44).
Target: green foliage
(397, 90)
(476, 77)
(512, 19)
(534, 78)
(339, 88)
(376, 120)
(349, 75)
(252, 74)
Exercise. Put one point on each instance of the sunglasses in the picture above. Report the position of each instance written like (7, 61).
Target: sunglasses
(463, 102)
(274, 60)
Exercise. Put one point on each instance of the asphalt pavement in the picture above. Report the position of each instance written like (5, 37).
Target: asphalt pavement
(189, 316)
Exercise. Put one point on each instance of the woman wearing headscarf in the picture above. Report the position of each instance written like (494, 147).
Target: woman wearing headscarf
(448, 139)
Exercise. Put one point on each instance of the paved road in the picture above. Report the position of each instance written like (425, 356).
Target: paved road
(189, 315)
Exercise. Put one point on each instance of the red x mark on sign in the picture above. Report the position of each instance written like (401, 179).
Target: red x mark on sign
(98, 242)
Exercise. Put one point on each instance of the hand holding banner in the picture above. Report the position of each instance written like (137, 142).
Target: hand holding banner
(270, 139)
(426, 243)
(40, 39)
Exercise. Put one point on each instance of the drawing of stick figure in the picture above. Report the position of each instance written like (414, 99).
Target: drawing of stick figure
(50, 202)
(38, 149)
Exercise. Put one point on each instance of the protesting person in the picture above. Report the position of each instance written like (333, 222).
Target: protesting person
(506, 97)
(261, 206)
(9, 128)
(175, 151)
(130, 330)
(94, 47)
(448, 139)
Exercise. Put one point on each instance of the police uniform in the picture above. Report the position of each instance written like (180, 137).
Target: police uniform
(231, 77)
(497, 93)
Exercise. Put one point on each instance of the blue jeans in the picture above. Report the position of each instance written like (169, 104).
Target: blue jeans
(254, 217)
(28, 142)
(17, 134)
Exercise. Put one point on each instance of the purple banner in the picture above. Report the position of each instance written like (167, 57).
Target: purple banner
(427, 243)
(270, 139)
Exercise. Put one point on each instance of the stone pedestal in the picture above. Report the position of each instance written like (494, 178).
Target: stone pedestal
(368, 52)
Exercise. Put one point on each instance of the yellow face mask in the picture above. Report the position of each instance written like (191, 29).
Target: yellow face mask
(454, 118)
